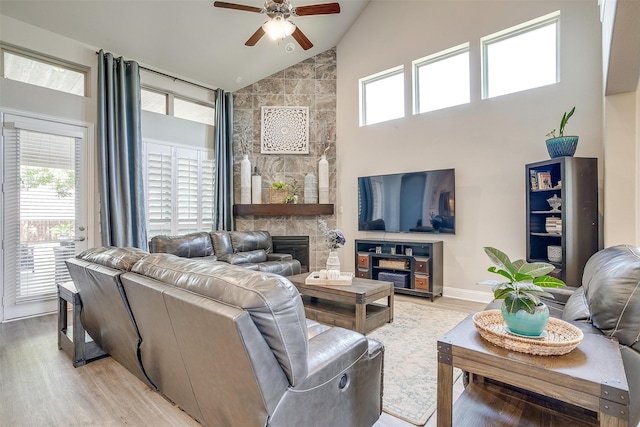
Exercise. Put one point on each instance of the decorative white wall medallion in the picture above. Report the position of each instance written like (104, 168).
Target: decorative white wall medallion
(285, 130)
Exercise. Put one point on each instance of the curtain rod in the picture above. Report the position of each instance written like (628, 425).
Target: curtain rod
(172, 77)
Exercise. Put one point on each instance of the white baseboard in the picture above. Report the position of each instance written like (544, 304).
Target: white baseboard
(468, 295)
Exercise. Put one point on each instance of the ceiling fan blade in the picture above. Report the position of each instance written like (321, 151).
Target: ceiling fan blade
(234, 6)
(318, 9)
(255, 37)
(302, 40)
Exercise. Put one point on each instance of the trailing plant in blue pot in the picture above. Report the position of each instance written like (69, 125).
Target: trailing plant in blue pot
(522, 310)
(559, 146)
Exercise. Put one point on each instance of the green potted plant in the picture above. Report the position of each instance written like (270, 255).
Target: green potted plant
(522, 310)
(292, 197)
(562, 145)
(278, 192)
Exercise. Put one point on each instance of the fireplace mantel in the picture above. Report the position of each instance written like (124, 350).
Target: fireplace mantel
(283, 209)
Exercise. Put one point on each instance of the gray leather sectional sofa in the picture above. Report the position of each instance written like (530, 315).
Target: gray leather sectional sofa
(248, 249)
(229, 345)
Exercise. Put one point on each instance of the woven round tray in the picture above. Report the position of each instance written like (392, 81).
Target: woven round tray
(562, 337)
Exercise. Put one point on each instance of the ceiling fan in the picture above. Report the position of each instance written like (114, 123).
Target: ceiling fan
(279, 26)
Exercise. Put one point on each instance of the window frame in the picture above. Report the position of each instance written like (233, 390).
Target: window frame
(49, 60)
(517, 30)
(431, 59)
(391, 72)
(171, 96)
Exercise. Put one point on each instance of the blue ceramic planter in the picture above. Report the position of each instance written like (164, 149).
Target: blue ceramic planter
(525, 323)
(562, 146)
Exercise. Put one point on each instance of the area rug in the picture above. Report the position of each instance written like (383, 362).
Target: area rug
(411, 359)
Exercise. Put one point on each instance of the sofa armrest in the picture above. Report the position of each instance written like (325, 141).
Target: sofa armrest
(279, 257)
(561, 295)
(332, 352)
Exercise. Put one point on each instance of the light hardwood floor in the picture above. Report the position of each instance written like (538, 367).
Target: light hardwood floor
(40, 387)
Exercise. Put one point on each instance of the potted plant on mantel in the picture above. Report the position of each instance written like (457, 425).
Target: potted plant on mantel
(522, 310)
(559, 146)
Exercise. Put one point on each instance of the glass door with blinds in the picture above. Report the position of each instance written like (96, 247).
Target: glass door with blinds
(44, 219)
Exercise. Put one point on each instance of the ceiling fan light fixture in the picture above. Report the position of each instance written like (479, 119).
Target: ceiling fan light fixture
(278, 28)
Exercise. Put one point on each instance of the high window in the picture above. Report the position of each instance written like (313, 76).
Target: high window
(441, 80)
(382, 96)
(522, 57)
(167, 103)
(179, 189)
(43, 71)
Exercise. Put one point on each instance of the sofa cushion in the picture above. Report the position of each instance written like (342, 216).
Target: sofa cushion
(187, 246)
(112, 257)
(221, 243)
(256, 256)
(272, 301)
(243, 241)
(611, 282)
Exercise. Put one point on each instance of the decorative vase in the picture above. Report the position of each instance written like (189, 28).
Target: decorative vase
(525, 323)
(562, 146)
(323, 179)
(245, 180)
(256, 187)
(333, 265)
(310, 189)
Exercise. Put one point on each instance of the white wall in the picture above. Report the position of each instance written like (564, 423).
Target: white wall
(488, 142)
(26, 98)
(621, 170)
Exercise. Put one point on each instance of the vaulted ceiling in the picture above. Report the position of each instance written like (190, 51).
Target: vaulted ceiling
(187, 38)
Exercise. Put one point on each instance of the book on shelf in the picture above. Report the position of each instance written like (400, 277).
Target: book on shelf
(533, 178)
(544, 180)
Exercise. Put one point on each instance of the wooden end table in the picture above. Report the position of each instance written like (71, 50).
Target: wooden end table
(591, 376)
(350, 307)
(73, 339)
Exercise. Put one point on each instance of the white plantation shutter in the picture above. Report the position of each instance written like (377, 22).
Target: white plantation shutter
(188, 196)
(179, 189)
(159, 185)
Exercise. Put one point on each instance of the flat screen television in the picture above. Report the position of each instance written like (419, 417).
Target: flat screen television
(412, 202)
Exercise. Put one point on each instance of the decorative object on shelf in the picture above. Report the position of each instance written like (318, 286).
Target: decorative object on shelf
(544, 180)
(292, 197)
(436, 221)
(335, 239)
(560, 337)
(245, 180)
(396, 264)
(323, 179)
(553, 225)
(310, 189)
(554, 253)
(285, 130)
(321, 278)
(278, 192)
(555, 202)
(256, 187)
(522, 310)
(559, 146)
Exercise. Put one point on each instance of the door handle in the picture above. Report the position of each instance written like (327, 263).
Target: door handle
(80, 239)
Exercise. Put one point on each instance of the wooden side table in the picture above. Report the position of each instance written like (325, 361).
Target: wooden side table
(591, 377)
(73, 339)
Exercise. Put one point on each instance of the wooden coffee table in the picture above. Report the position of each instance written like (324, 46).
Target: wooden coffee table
(351, 307)
(591, 376)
